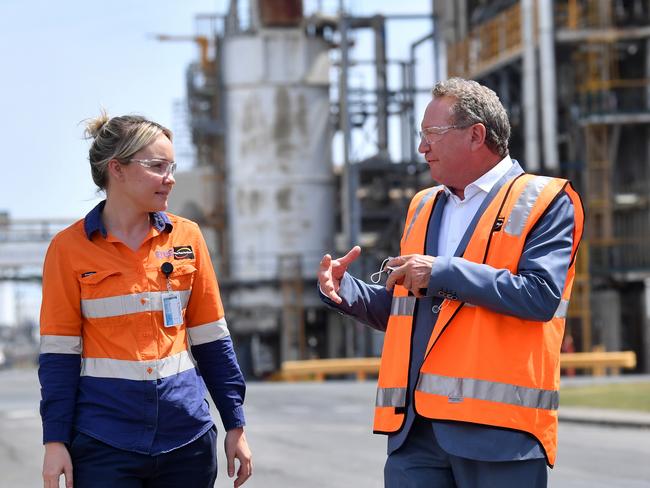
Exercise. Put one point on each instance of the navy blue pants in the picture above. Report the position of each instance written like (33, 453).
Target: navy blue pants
(422, 463)
(98, 465)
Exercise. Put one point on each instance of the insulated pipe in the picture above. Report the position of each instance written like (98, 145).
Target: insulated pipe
(529, 87)
(548, 84)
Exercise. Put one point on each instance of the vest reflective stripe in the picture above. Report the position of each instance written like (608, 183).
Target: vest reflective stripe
(214, 331)
(151, 301)
(430, 194)
(402, 306)
(137, 370)
(60, 344)
(562, 309)
(391, 397)
(456, 389)
(524, 205)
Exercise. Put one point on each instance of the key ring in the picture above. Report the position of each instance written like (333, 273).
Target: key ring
(437, 308)
(376, 276)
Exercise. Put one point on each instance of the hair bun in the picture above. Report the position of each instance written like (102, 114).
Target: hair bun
(94, 126)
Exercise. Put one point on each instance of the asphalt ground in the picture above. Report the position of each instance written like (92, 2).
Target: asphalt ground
(320, 435)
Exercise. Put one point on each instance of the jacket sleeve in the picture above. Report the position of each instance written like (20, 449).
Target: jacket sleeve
(369, 304)
(60, 354)
(211, 344)
(534, 293)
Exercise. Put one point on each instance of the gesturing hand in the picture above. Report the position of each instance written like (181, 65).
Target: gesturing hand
(331, 271)
(412, 271)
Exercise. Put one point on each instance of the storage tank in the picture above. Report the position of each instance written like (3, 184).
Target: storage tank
(280, 182)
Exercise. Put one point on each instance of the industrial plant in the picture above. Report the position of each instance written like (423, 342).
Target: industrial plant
(271, 93)
(302, 125)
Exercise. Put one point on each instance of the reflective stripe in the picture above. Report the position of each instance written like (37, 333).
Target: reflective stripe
(402, 306)
(418, 209)
(136, 370)
(213, 331)
(60, 344)
(525, 204)
(391, 397)
(459, 388)
(562, 309)
(150, 301)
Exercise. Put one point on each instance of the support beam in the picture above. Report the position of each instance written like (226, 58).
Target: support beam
(529, 88)
(548, 86)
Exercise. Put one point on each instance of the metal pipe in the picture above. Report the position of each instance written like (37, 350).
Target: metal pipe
(463, 28)
(379, 28)
(349, 207)
(411, 90)
(529, 87)
(437, 40)
(547, 85)
(407, 120)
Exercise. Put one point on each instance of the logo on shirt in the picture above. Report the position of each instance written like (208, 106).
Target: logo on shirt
(164, 254)
(183, 252)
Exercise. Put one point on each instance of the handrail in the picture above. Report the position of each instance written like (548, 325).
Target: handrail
(319, 369)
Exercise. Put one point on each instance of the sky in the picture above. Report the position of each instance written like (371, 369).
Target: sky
(63, 61)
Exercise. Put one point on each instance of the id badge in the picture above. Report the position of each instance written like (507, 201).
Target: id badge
(172, 310)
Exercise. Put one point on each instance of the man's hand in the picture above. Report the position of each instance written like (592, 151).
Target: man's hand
(331, 271)
(413, 272)
(56, 461)
(236, 446)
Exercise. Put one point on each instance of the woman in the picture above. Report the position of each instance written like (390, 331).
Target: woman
(125, 291)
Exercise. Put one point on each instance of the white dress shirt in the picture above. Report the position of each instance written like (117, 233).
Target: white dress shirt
(458, 213)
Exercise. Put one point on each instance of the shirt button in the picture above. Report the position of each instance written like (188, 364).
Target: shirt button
(149, 427)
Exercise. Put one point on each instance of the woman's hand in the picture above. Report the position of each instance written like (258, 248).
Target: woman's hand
(236, 446)
(56, 461)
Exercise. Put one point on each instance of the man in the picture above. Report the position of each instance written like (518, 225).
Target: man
(473, 307)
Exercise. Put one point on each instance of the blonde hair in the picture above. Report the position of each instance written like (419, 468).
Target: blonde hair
(118, 138)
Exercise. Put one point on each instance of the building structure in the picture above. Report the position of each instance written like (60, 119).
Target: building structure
(271, 89)
(574, 77)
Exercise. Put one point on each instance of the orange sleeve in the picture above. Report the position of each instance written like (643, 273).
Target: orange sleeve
(204, 305)
(61, 305)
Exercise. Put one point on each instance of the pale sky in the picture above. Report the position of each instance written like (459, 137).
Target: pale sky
(63, 60)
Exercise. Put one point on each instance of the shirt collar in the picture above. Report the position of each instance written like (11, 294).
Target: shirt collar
(486, 181)
(93, 221)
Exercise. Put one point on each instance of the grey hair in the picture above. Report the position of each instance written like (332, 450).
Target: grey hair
(476, 103)
(118, 138)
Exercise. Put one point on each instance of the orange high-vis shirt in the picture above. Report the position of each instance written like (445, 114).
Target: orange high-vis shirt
(104, 301)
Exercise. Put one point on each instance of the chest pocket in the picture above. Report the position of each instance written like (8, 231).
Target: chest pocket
(102, 296)
(101, 284)
(181, 278)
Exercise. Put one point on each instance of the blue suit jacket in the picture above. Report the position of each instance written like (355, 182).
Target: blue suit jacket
(534, 294)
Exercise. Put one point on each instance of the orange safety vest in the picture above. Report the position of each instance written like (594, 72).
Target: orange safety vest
(481, 366)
